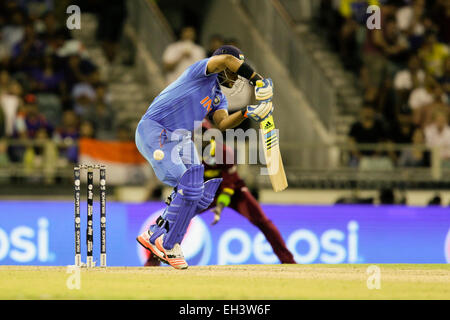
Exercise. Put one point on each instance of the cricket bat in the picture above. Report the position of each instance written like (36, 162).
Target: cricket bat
(272, 153)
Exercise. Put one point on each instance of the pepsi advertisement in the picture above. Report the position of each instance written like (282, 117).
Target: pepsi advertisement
(42, 233)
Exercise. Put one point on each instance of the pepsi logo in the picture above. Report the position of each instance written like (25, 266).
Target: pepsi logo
(196, 244)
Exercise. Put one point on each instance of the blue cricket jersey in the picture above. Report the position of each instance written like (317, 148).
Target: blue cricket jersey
(190, 98)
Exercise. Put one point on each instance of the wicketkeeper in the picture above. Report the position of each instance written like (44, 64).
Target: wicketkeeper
(233, 193)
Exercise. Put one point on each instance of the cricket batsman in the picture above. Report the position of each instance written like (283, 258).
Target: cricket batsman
(163, 137)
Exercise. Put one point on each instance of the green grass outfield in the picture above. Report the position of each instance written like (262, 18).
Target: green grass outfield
(398, 281)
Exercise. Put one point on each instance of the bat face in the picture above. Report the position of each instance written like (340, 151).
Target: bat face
(273, 155)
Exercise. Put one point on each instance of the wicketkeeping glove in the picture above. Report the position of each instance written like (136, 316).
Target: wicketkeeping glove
(260, 111)
(264, 90)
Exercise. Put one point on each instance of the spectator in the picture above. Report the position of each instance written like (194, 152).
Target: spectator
(440, 103)
(378, 47)
(69, 128)
(87, 130)
(30, 121)
(436, 200)
(4, 52)
(394, 44)
(13, 31)
(403, 128)
(387, 196)
(181, 54)
(4, 81)
(56, 44)
(444, 81)
(68, 131)
(51, 28)
(46, 155)
(101, 114)
(433, 54)
(410, 21)
(27, 52)
(367, 130)
(10, 102)
(77, 69)
(408, 79)
(437, 134)
(415, 31)
(2, 124)
(84, 96)
(4, 159)
(94, 78)
(423, 99)
(415, 156)
(45, 77)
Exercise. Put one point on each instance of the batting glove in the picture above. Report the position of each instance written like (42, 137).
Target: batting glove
(264, 90)
(260, 111)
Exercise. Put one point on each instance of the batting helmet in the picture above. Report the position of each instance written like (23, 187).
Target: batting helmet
(228, 49)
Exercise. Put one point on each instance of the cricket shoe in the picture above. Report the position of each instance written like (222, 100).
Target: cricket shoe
(144, 240)
(173, 256)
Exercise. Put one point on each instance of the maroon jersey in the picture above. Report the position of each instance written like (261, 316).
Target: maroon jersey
(226, 171)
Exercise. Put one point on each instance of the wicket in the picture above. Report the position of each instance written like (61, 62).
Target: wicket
(90, 212)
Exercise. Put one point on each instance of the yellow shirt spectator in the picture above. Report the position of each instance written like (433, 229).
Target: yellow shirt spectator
(345, 7)
(433, 57)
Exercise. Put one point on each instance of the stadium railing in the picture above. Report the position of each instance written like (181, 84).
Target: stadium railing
(37, 160)
(381, 169)
(46, 161)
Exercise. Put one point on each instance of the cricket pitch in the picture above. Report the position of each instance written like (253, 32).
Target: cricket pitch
(284, 282)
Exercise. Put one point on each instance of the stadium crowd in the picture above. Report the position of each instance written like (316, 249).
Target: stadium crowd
(50, 90)
(403, 72)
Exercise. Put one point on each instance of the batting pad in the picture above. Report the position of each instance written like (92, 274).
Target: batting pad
(209, 192)
(183, 207)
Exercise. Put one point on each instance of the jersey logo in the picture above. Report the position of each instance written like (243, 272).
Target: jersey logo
(216, 101)
(206, 103)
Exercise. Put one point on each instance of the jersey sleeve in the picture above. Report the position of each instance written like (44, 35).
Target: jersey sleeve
(198, 69)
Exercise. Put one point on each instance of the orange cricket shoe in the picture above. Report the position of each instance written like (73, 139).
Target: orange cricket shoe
(173, 256)
(144, 240)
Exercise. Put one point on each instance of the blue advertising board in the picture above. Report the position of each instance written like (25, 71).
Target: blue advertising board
(42, 233)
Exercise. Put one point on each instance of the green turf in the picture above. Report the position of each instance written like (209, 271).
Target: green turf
(405, 281)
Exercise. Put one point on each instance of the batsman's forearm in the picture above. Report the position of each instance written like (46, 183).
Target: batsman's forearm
(231, 121)
(242, 69)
